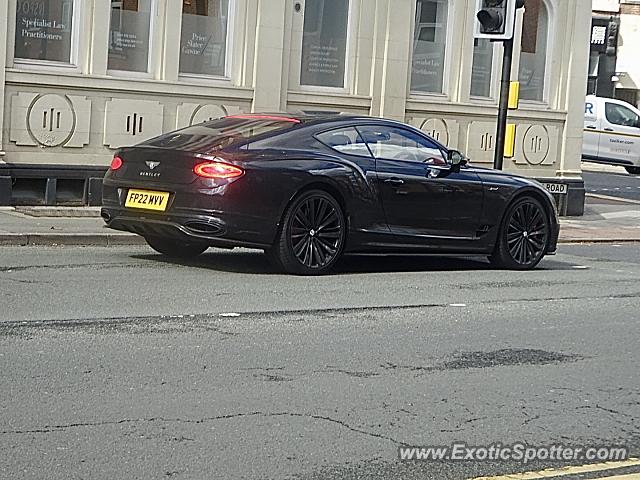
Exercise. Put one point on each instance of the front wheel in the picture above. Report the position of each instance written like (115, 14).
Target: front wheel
(523, 237)
(312, 235)
(633, 170)
(174, 248)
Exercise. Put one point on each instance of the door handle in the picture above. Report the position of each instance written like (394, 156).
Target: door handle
(394, 181)
(591, 127)
(447, 189)
(608, 130)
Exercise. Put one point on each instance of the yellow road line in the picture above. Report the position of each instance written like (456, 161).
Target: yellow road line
(549, 473)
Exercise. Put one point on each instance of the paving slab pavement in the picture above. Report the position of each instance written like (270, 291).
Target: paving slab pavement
(605, 220)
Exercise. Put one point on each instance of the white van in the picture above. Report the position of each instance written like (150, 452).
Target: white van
(612, 133)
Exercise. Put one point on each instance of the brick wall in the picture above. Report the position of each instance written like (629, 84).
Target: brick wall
(630, 9)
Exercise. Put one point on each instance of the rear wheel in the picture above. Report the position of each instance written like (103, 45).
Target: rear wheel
(633, 170)
(523, 237)
(176, 249)
(312, 235)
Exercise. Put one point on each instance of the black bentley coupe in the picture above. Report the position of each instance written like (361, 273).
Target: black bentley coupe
(308, 188)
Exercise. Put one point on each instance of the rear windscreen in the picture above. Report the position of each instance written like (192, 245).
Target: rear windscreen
(223, 132)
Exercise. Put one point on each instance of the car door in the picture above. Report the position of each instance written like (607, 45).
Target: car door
(620, 138)
(592, 128)
(420, 194)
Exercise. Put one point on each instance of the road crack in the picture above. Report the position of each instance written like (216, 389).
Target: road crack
(341, 423)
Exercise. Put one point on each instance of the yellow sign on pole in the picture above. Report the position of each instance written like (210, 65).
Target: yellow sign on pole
(514, 95)
(510, 141)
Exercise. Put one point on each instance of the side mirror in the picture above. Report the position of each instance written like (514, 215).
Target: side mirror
(456, 160)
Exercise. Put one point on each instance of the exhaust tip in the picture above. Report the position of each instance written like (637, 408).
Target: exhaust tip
(204, 228)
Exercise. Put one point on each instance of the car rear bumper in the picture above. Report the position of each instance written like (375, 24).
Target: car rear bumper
(190, 216)
(190, 229)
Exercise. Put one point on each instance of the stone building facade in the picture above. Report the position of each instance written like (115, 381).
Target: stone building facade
(81, 78)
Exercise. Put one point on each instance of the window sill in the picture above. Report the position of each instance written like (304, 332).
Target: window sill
(129, 74)
(327, 99)
(45, 66)
(429, 97)
(196, 79)
(148, 86)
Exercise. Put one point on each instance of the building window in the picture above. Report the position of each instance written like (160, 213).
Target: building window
(203, 43)
(44, 30)
(482, 69)
(429, 42)
(533, 56)
(129, 35)
(324, 43)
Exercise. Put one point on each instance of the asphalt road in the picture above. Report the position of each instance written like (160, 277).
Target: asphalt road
(117, 364)
(614, 184)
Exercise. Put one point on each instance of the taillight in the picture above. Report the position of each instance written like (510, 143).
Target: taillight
(217, 170)
(116, 163)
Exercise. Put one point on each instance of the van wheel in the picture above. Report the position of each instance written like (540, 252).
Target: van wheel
(633, 170)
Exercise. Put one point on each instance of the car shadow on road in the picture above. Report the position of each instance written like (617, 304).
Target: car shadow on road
(257, 263)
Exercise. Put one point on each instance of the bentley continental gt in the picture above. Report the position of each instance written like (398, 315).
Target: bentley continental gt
(309, 188)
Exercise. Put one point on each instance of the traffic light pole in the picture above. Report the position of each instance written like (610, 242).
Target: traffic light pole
(503, 110)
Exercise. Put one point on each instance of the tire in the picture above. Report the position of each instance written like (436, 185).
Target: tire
(176, 249)
(523, 237)
(312, 235)
(633, 170)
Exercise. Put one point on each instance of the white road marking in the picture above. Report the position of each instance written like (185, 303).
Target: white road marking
(230, 314)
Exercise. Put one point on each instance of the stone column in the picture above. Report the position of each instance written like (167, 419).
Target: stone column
(269, 54)
(396, 57)
(576, 60)
(4, 13)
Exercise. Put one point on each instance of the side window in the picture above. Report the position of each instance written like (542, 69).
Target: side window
(393, 143)
(620, 115)
(345, 140)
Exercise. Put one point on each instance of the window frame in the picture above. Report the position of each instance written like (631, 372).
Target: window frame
(345, 127)
(446, 63)
(74, 63)
(496, 61)
(153, 23)
(617, 105)
(443, 151)
(228, 60)
(349, 60)
(549, 53)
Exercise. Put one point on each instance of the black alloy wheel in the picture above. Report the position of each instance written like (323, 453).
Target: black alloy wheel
(312, 235)
(523, 237)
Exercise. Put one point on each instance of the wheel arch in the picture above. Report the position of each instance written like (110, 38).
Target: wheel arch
(538, 195)
(317, 184)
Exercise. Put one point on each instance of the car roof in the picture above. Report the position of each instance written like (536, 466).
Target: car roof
(310, 116)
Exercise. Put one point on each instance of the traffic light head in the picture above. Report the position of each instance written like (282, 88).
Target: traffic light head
(495, 19)
(491, 20)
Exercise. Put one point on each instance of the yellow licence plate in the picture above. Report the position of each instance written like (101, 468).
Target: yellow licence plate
(147, 199)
